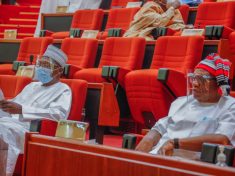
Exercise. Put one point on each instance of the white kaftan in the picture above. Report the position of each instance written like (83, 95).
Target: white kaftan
(191, 118)
(52, 102)
(49, 6)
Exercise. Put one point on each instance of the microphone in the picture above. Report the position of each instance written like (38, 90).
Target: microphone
(31, 57)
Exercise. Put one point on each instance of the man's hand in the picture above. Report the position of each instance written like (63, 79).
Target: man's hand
(167, 148)
(10, 107)
(145, 145)
(175, 4)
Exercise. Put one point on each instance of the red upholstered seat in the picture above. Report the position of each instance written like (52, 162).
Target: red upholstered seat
(83, 20)
(216, 13)
(126, 53)
(145, 93)
(81, 53)
(118, 18)
(29, 46)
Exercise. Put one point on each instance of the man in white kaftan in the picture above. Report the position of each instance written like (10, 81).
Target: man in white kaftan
(49, 6)
(206, 116)
(47, 98)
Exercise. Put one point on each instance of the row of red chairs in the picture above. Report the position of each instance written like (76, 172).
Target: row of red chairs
(208, 14)
(176, 53)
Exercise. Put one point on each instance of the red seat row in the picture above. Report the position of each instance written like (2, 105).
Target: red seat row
(221, 13)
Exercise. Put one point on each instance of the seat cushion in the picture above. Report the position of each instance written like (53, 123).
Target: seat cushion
(92, 75)
(6, 69)
(60, 35)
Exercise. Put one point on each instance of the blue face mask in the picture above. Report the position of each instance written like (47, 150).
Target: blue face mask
(43, 75)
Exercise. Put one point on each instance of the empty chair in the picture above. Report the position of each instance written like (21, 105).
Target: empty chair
(83, 20)
(125, 53)
(216, 13)
(81, 54)
(29, 47)
(148, 98)
(118, 18)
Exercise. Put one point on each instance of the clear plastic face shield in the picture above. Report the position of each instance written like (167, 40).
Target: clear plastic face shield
(46, 69)
(198, 85)
(47, 62)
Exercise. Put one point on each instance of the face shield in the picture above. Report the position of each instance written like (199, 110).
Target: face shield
(47, 63)
(44, 69)
(198, 85)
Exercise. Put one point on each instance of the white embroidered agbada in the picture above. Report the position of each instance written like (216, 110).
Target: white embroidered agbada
(52, 102)
(49, 6)
(191, 118)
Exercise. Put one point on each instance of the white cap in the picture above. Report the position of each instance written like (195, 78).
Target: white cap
(56, 54)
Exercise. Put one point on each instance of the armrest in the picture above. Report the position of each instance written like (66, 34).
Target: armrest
(17, 64)
(217, 31)
(75, 33)
(70, 70)
(45, 33)
(130, 141)
(115, 32)
(171, 79)
(114, 73)
(162, 31)
(44, 126)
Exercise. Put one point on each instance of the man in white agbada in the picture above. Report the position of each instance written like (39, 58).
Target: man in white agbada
(49, 6)
(47, 98)
(206, 116)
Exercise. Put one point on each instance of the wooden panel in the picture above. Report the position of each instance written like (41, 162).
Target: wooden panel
(53, 156)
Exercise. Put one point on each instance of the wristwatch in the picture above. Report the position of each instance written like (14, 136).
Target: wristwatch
(176, 143)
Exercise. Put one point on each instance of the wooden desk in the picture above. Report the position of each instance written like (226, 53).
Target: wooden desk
(46, 156)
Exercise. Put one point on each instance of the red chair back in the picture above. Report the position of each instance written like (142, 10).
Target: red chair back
(216, 13)
(177, 53)
(184, 10)
(127, 53)
(13, 85)
(121, 18)
(33, 46)
(80, 52)
(88, 19)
